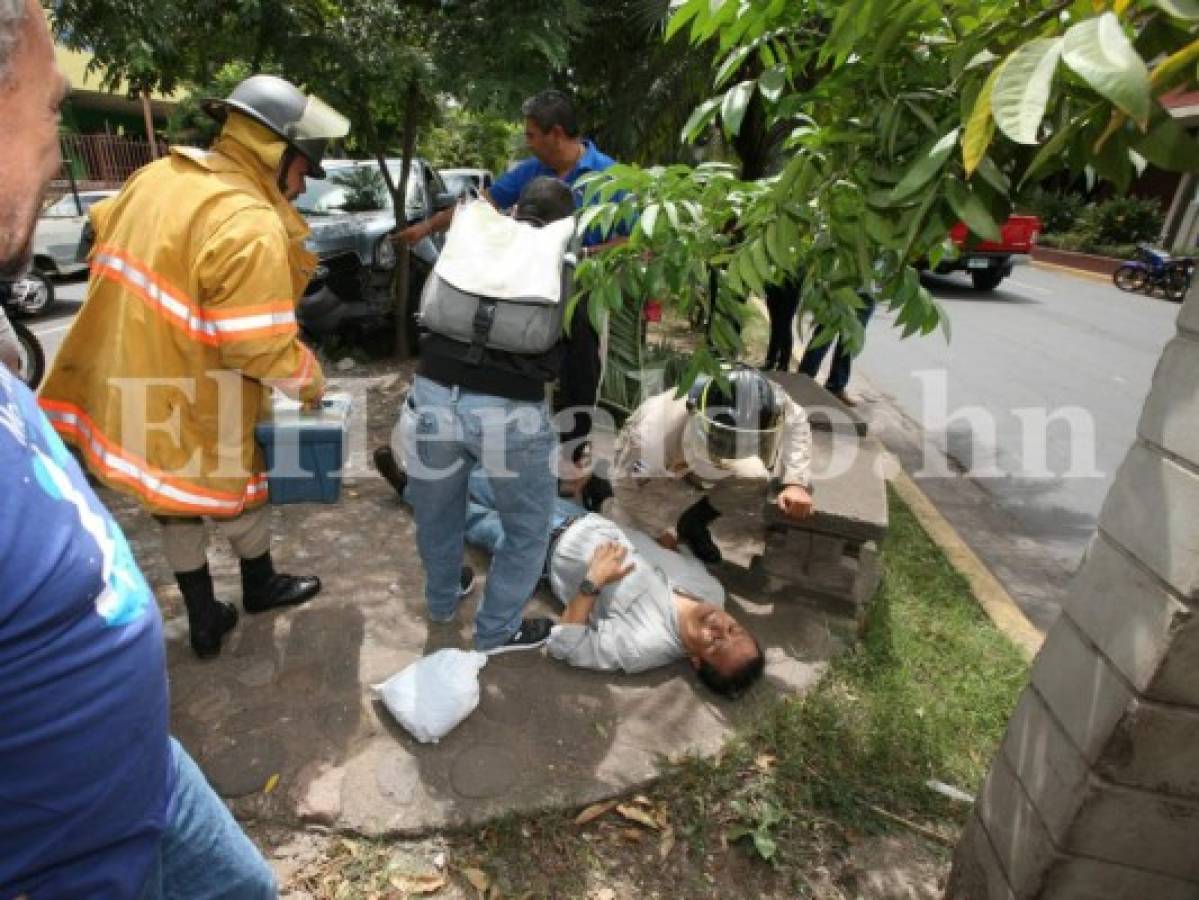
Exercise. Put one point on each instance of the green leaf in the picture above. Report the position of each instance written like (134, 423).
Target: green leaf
(992, 175)
(772, 82)
(1180, 9)
(683, 16)
(983, 57)
(700, 116)
(648, 218)
(1021, 90)
(729, 67)
(971, 210)
(732, 110)
(1169, 145)
(764, 844)
(1056, 145)
(1100, 53)
(980, 129)
(926, 166)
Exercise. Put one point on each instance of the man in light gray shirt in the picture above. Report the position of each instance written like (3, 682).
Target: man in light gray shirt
(630, 604)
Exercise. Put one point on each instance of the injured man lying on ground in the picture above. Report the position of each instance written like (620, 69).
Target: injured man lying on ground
(629, 603)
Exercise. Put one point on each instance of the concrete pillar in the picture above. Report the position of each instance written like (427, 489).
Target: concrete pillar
(1094, 792)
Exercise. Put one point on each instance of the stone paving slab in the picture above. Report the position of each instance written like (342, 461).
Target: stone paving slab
(289, 695)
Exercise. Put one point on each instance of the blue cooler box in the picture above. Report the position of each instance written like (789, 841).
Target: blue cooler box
(305, 451)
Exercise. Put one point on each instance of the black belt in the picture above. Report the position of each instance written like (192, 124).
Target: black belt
(555, 534)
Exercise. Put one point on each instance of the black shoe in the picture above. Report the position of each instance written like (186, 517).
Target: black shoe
(263, 588)
(385, 462)
(208, 619)
(693, 531)
(466, 582)
(531, 635)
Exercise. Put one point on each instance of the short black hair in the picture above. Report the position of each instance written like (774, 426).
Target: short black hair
(737, 682)
(544, 200)
(549, 108)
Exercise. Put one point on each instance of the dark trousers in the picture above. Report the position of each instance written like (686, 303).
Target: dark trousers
(579, 381)
(782, 300)
(838, 376)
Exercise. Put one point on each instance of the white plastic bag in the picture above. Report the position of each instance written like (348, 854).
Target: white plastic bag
(432, 695)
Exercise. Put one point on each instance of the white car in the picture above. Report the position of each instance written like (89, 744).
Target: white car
(469, 182)
(59, 228)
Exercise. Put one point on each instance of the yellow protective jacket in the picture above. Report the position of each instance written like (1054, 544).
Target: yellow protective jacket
(189, 317)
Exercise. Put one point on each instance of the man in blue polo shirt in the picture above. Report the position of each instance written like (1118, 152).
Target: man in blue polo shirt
(96, 799)
(553, 137)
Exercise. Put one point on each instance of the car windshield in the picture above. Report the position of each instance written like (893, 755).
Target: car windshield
(66, 208)
(357, 188)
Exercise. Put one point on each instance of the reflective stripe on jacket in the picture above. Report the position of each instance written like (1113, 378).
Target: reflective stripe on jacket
(189, 317)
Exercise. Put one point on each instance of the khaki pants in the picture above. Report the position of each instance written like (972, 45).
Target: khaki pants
(185, 539)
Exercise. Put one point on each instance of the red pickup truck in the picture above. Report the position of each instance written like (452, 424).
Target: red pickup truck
(989, 262)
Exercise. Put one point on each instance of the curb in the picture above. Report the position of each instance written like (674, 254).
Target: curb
(996, 602)
(1070, 270)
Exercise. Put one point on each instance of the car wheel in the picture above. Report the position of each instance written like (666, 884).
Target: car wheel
(33, 293)
(986, 279)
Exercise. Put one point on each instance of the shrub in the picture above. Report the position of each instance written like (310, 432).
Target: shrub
(1122, 220)
(1057, 212)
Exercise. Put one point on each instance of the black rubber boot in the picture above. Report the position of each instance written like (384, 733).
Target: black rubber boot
(693, 531)
(263, 588)
(208, 619)
(389, 468)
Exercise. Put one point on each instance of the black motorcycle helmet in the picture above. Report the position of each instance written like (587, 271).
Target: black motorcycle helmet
(306, 123)
(743, 421)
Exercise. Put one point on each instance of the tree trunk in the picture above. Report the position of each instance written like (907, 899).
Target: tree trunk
(401, 302)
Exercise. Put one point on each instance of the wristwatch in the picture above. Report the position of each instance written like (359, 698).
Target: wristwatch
(589, 587)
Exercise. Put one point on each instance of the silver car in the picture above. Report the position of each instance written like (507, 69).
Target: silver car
(56, 238)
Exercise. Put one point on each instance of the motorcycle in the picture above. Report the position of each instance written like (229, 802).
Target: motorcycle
(1153, 269)
(19, 297)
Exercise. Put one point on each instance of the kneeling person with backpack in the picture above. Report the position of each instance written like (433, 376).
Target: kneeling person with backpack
(493, 311)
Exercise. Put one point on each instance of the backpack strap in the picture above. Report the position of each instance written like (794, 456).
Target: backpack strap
(480, 330)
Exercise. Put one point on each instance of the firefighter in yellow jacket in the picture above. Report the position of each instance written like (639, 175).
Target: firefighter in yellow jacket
(189, 320)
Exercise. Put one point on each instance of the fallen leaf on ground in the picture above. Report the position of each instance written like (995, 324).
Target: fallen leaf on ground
(478, 879)
(594, 811)
(666, 844)
(638, 815)
(418, 884)
(271, 783)
(764, 762)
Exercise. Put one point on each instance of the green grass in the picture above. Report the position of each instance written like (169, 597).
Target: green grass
(925, 694)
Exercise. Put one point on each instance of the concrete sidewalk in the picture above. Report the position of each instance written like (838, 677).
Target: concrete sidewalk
(289, 695)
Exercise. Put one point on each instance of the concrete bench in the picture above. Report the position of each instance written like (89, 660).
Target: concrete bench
(835, 555)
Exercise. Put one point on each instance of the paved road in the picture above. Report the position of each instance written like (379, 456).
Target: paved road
(52, 327)
(1046, 342)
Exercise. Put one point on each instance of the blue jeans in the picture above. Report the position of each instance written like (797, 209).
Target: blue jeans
(204, 854)
(838, 376)
(445, 433)
(483, 526)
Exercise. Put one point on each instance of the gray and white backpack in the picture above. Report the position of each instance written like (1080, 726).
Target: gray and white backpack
(500, 284)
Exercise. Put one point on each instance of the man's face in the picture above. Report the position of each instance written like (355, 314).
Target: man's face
(30, 98)
(715, 637)
(542, 144)
(293, 178)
